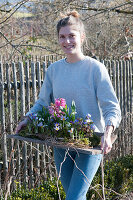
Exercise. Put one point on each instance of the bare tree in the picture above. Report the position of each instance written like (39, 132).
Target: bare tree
(109, 27)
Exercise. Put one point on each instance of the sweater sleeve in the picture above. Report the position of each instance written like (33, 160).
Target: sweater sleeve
(107, 98)
(45, 95)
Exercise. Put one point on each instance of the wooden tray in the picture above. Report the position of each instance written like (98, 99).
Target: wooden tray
(92, 151)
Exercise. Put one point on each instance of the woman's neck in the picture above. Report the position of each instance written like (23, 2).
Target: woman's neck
(74, 58)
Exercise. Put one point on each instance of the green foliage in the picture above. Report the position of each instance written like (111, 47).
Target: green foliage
(118, 177)
(95, 140)
(46, 191)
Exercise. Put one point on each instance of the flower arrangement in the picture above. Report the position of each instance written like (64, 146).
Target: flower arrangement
(57, 122)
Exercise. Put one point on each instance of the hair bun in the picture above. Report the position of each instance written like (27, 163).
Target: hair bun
(73, 13)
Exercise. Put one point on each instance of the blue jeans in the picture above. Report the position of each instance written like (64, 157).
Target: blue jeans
(77, 172)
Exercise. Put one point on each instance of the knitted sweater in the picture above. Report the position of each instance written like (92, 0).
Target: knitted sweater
(87, 83)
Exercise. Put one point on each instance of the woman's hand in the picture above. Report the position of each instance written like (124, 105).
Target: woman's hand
(106, 142)
(22, 124)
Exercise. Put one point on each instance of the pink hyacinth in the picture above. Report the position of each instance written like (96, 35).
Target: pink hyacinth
(60, 102)
(57, 102)
(63, 102)
(56, 109)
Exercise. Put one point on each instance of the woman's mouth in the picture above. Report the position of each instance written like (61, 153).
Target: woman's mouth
(69, 47)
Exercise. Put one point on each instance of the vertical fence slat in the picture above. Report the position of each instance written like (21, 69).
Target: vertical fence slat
(128, 106)
(9, 98)
(2, 117)
(131, 84)
(34, 91)
(37, 162)
(43, 160)
(15, 93)
(25, 168)
(113, 74)
(2, 108)
(44, 70)
(49, 160)
(124, 87)
(22, 88)
(127, 86)
(31, 181)
(18, 163)
(109, 69)
(33, 76)
(117, 81)
(121, 105)
(131, 102)
(27, 86)
(121, 86)
(39, 75)
(22, 98)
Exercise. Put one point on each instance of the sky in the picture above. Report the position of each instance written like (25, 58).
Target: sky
(12, 2)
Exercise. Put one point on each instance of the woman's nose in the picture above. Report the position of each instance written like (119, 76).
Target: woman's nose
(67, 40)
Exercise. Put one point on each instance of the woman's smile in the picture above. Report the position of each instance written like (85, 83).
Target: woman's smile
(70, 40)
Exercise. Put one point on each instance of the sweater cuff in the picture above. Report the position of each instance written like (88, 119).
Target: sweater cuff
(111, 122)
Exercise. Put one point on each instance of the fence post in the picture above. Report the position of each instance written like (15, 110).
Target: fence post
(8, 74)
(33, 76)
(27, 85)
(15, 91)
(2, 116)
(22, 88)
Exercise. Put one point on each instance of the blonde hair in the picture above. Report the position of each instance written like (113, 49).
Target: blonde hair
(71, 18)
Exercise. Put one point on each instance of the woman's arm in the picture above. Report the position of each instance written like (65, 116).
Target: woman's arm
(109, 106)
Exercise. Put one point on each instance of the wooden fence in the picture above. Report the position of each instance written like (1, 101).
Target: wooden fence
(20, 83)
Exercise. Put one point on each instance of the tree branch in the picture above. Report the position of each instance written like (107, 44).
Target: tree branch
(9, 42)
(37, 46)
(22, 3)
(109, 9)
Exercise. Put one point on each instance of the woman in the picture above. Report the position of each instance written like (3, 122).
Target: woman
(86, 81)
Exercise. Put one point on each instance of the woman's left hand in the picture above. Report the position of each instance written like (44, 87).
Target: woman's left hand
(106, 142)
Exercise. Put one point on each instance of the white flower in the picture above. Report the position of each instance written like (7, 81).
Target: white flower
(57, 128)
(88, 120)
(88, 116)
(71, 130)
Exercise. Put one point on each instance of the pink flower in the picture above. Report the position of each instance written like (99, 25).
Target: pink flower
(63, 102)
(56, 109)
(60, 102)
(57, 102)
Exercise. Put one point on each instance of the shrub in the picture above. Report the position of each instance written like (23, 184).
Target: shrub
(46, 191)
(118, 178)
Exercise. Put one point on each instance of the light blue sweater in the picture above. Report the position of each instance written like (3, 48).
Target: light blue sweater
(87, 83)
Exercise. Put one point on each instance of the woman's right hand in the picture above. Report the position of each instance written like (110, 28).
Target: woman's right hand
(22, 124)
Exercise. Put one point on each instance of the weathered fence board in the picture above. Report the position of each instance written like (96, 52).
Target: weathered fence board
(27, 79)
(20, 83)
(15, 92)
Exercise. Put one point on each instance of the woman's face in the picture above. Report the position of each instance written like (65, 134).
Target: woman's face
(70, 40)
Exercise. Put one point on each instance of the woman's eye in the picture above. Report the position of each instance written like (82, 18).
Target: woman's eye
(72, 36)
(62, 36)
